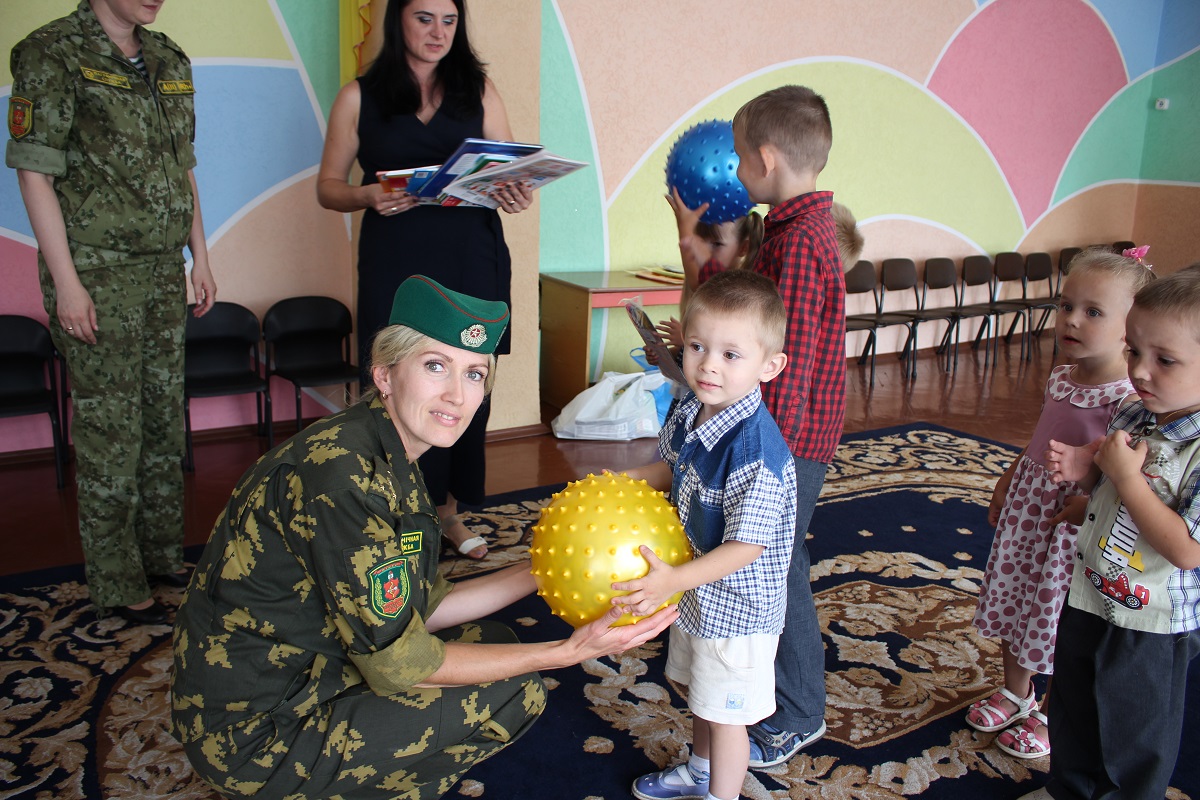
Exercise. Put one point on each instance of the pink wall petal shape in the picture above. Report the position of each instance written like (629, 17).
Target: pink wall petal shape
(19, 277)
(995, 72)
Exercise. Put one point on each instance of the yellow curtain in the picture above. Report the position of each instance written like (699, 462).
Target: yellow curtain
(354, 27)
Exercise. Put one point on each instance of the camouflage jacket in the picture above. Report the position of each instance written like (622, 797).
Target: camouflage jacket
(118, 147)
(319, 576)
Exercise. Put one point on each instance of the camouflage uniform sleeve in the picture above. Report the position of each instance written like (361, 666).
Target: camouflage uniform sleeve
(364, 553)
(41, 109)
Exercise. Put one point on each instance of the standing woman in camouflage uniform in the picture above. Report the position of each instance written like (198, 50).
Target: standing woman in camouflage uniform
(319, 652)
(102, 123)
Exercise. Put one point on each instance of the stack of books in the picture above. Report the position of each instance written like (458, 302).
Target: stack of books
(476, 171)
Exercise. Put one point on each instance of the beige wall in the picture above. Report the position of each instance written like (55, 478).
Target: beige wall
(507, 36)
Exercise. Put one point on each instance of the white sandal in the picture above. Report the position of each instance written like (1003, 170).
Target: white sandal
(467, 546)
(988, 716)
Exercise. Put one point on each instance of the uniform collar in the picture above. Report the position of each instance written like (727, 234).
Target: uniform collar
(389, 437)
(98, 41)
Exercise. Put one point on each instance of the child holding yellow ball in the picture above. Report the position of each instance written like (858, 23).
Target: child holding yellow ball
(732, 477)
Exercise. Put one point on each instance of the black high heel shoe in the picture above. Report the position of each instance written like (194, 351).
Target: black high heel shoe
(153, 614)
(178, 580)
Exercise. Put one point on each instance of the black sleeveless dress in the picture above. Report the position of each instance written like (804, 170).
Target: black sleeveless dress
(461, 248)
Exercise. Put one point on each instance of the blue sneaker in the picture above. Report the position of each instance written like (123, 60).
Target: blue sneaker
(676, 783)
(770, 746)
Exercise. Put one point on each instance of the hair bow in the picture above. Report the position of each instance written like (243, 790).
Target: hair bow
(1137, 254)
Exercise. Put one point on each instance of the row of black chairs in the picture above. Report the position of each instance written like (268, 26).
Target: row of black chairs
(306, 342)
(1034, 273)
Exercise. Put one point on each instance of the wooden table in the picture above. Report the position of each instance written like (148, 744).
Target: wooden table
(568, 299)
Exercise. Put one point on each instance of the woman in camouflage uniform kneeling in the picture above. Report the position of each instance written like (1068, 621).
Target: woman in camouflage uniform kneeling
(318, 651)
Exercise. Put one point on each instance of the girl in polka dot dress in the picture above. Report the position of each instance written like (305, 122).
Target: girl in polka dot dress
(1029, 569)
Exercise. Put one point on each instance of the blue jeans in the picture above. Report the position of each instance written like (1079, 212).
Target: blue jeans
(800, 659)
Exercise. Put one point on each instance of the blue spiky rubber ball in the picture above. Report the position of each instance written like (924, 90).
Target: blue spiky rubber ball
(702, 165)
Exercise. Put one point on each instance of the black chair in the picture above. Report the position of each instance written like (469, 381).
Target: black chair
(976, 272)
(308, 344)
(900, 275)
(1064, 261)
(1122, 246)
(940, 274)
(28, 380)
(860, 279)
(221, 358)
(1039, 267)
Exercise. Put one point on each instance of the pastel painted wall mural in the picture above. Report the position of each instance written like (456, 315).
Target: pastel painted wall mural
(959, 127)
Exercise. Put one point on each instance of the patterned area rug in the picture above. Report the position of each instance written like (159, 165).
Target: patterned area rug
(898, 545)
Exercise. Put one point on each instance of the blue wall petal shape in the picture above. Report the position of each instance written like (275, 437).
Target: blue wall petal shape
(1180, 29)
(255, 128)
(1135, 27)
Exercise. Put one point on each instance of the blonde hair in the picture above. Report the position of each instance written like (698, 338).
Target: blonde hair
(395, 343)
(849, 238)
(743, 293)
(1102, 260)
(794, 120)
(1177, 295)
(748, 229)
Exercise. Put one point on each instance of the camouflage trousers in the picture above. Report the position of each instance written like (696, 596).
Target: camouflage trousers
(413, 745)
(127, 397)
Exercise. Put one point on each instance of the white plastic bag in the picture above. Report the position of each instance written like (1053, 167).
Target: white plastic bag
(619, 406)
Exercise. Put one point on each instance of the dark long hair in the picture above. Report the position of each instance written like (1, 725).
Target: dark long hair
(394, 87)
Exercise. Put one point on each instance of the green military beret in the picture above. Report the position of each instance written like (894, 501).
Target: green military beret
(452, 318)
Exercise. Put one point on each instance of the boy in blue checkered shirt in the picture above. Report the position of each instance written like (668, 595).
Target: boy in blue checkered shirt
(1131, 624)
(733, 479)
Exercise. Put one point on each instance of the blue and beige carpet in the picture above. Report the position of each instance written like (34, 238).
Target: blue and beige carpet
(898, 546)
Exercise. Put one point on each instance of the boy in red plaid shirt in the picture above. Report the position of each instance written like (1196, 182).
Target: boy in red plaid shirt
(782, 139)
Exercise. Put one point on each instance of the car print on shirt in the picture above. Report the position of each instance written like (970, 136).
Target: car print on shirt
(1119, 589)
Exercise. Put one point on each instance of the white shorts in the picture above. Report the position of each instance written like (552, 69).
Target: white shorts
(730, 681)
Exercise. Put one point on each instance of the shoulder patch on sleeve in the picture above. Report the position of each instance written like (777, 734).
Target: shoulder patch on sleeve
(20, 116)
(390, 587)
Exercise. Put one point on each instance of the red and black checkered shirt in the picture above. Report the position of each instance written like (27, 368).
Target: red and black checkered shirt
(800, 253)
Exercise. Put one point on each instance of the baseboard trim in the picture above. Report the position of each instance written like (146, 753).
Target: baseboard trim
(524, 431)
(45, 455)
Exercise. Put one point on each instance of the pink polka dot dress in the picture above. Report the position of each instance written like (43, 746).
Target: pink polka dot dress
(1029, 569)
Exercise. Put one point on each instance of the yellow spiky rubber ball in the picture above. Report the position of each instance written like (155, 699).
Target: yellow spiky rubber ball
(588, 537)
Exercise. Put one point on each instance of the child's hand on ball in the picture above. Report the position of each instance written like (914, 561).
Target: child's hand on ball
(646, 594)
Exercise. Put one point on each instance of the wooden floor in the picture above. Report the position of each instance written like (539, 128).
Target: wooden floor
(1000, 403)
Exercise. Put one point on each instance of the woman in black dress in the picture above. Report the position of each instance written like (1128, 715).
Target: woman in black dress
(424, 94)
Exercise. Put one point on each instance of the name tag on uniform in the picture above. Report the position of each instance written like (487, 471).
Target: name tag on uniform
(410, 542)
(175, 87)
(107, 78)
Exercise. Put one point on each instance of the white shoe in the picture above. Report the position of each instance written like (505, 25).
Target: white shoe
(1039, 794)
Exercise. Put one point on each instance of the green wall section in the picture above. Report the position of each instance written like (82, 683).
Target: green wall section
(571, 232)
(1130, 140)
(1173, 136)
(314, 29)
